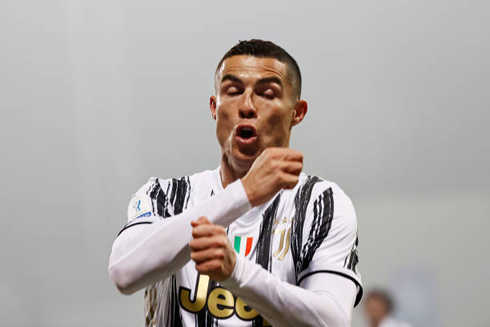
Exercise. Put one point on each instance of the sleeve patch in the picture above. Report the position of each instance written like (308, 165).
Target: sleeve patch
(146, 214)
(139, 207)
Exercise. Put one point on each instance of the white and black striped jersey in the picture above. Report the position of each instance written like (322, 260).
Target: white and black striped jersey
(307, 230)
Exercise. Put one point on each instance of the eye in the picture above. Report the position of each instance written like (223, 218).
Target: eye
(233, 90)
(269, 93)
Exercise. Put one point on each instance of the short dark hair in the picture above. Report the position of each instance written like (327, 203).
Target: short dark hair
(383, 296)
(266, 49)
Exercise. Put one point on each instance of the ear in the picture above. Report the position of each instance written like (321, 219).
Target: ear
(300, 109)
(212, 106)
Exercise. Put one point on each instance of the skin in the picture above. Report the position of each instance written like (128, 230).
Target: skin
(270, 106)
(257, 92)
(376, 310)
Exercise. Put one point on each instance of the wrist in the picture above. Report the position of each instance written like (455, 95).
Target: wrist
(238, 197)
(249, 191)
(233, 280)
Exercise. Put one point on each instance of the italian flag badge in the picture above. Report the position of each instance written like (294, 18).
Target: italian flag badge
(243, 244)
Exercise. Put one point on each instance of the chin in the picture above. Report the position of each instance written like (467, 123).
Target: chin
(245, 155)
(243, 158)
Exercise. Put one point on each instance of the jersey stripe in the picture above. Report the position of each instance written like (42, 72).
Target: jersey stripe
(352, 259)
(158, 199)
(263, 256)
(180, 194)
(301, 201)
(322, 222)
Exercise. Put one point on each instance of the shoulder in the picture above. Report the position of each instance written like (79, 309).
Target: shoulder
(312, 188)
(167, 185)
(167, 196)
(324, 225)
(322, 207)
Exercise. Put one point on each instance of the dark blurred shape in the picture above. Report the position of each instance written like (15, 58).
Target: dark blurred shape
(379, 306)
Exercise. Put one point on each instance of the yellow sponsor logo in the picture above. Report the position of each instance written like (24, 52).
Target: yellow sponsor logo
(220, 302)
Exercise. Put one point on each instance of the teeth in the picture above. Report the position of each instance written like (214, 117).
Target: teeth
(247, 129)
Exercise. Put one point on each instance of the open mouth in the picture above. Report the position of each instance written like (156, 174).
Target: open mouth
(246, 134)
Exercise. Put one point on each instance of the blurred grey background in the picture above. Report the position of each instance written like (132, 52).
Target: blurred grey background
(97, 96)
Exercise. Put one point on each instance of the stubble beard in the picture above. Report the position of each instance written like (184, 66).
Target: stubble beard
(235, 162)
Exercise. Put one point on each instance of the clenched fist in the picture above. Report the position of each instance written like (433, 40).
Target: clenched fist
(273, 170)
(211, 250)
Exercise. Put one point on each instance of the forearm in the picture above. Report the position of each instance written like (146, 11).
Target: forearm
(284, 304)
(145, 254)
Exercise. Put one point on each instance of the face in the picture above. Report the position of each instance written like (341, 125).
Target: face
(375, 309)
(254, 107)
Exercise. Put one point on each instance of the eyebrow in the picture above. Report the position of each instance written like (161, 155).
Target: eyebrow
(270, 79)
(265, 80)
(232, 78)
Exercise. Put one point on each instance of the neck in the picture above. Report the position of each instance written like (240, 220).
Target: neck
(231, 170)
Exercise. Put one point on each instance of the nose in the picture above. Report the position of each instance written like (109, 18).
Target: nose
(247, 109)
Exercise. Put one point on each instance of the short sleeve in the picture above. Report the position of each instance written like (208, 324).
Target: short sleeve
(329, 240)
(147, 205)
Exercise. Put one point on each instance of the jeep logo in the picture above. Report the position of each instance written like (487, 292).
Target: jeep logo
(220, 302)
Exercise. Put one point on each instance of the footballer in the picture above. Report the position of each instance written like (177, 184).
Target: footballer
(256, 241)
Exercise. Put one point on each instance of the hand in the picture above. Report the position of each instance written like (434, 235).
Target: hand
(273, 170)
(211, 250)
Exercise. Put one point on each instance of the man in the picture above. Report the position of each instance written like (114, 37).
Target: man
(379, 307)
(255, 242)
